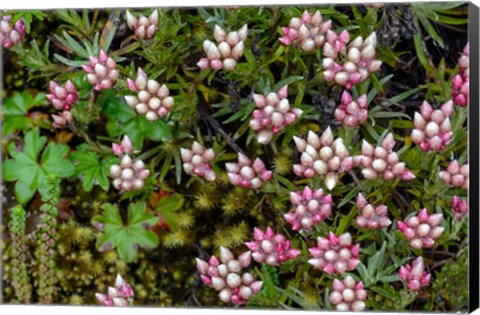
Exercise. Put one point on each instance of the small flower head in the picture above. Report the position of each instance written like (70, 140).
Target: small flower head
(311, 208)
(423, 229)
(273, 113)
(460, 207)
(270, 248)
(197, 161)
(460, 83)
(102, 71)
(248, 174)
(225, 53)
(433, 129)
(129, 174)
(414, 276)
(383, 161)
(62, 96)
(348, 295)
(225, 275)
(309, 32)
(335, 255)
(63, 119)
(11, 34)
(324, 156)
(120, 295)
(152, 100)
(352, 113)
(144, 28)
(455, 175)
(371, 217)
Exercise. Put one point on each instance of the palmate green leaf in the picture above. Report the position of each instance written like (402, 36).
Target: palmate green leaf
(122, 120)
(127, 238)
(29, 172)
(168, 207)
(93, 168)
(15, 110)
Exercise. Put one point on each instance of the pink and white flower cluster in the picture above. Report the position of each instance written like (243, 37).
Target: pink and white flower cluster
(455, 175)
(383, 161)
(225, 275)
(247, 174)
(102, 72)
(11, 35)
(460, 83)
(153, 100)
(371, 218)
(359, 60)
(348, 295)
(433, 129)
(143, 27)
(335, 255)
(311, 208)
(460, 207)
(120, 295)
(324, 156)
(270, 248)
(273, 113)
(228, 50)
(130, 174)
(62, 96)
(62, 119)
(196, 161)
(415, 275)
(309, 32)
(352, 113)
(422, 230)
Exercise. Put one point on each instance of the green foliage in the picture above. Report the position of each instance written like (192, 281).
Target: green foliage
(28, 171)
(92, 168)
(127, 237)
(122, 120)
(15, 112)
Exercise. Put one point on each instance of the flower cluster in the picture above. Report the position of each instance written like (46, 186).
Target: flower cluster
(348, 295)
(120, 295)
(360, 61)
(227, 51)
(383, 161)
(455, 175)
(352, 113)
(143, 27)
(415, 275)
(62, 119)
(196, 161)
(460, 207)
(11, 35)
(62, 96)
(273, 113)
(247, 174)
(309, 31)
(460, 83)
(324, 156)
(130, 174)
(433, 129)
(311, 208)
(423, 229)
(335, 255)
(102, 72)
(153, 100)
(370, 217)
(225, 275)
(270, 248)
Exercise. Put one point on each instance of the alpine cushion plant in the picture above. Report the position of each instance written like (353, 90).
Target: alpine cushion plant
(310, 208)
(299, 148)
(273, 113)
